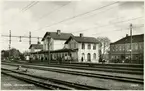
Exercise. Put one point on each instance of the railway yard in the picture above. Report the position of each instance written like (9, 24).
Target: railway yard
(79, 76)
(72, 45)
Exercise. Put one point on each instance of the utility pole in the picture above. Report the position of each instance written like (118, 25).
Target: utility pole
(38, 40)
(131, 43)
(9, 42)
(48, 38)
(29, 38)
(9, 39)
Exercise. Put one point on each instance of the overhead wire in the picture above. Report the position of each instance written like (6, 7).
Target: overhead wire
(31, 4)
(49, 13)
(108, 24)
(73, 17)
(36, 2)
(117, 30)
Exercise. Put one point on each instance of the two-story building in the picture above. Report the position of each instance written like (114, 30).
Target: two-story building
(121, 49)
(54, 40)
(64, 46)
(87, 48)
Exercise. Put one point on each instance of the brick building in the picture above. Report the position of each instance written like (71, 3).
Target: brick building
(120, 50)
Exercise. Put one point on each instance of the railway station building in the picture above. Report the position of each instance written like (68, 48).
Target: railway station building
(54, 40)
(59, 46)
(88, 48)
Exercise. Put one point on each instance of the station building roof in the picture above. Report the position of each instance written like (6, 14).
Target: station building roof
(57, 36)
(83, 39)
(36, 46)
(56, 51)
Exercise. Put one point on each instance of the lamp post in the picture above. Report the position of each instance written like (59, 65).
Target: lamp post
(131, 43)
(48, 38)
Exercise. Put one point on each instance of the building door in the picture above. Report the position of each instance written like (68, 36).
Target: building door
(83, 57)
(89, 57)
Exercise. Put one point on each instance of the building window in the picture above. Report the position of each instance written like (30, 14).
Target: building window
(75, 45)
(94, 56)
(120, 48)
(136, 46)
(83, 46)
(94, 46)
(89, 46)
(112, 57)
(113, 48)
(89, 57)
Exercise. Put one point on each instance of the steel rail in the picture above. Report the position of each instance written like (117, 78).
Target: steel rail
(88, 66)
(57, 84)
(139, 72)
(118, 78)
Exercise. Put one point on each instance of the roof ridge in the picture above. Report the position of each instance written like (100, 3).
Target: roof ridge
(84, 37)
(61, 32)
(126, 39)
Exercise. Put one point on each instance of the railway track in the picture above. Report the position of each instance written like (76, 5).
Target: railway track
(95, 75)
(107, 69)
(129, 70)
(49, 83)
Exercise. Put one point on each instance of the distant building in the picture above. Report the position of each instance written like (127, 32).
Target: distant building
(120, 50)
(87, 48)
(35, 47)
(54, 40)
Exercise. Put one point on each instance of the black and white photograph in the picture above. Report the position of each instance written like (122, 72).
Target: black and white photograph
(72, 45)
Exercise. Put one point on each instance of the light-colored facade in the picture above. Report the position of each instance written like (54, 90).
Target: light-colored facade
(87, 52)
(48, 44)
(54, 44)
(34, 50)
(55, 40)
(35, 47)
(68, 48)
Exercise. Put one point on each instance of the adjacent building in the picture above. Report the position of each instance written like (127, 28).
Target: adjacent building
(35, 47)
(87, 48)
(120, 51)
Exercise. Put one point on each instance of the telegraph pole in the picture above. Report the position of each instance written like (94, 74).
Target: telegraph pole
(29, 38)
(9, 42)
(38, 40)
(49, 39)
(9, 39)
(131, 43)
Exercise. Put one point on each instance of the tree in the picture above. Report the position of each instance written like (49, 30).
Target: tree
(4, 54)
(14, 53)
(104, 46)
(11, 54)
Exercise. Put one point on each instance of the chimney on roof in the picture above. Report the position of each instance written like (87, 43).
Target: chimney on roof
(38, 42)
(58, 32)
(126, 35)
(81, 34)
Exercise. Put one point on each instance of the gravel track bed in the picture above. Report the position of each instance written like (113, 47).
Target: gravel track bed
(102, 83)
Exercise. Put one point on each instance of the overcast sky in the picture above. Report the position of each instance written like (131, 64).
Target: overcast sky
(111, 21)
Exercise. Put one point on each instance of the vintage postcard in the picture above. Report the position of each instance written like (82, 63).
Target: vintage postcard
(72, 45)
